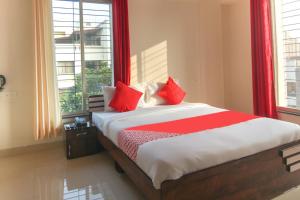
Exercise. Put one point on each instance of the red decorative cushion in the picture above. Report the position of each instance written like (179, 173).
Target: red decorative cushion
(171, 92)
(125, 98)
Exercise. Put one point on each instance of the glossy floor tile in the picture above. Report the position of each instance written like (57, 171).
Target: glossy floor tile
(293, 194)
(47, 175)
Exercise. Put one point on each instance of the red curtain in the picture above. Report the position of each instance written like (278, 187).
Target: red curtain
(121, 41)
(262, 59)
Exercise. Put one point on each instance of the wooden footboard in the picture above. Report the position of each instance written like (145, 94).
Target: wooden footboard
(261, 176)
(291, 157)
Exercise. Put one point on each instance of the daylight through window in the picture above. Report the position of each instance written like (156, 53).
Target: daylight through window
(83, 50)
(287, 51)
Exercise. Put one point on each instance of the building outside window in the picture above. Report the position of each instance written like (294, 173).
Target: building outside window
(83, 50)
(286, 23)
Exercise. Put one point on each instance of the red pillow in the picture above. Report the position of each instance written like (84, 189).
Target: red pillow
(125, 98)
(171, 92)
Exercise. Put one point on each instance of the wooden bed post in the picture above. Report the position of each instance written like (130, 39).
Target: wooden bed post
(95, 104)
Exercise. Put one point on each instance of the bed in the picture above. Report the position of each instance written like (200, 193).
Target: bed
(255, 159)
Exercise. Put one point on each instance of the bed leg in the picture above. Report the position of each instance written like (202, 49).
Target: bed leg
(118, 168)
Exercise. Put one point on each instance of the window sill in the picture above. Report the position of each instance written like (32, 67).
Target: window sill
(288, 111)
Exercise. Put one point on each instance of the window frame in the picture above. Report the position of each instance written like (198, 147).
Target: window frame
(278, 69)
(83, 45)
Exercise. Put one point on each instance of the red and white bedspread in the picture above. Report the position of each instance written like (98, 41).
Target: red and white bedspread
(168, 142)
(130, 139)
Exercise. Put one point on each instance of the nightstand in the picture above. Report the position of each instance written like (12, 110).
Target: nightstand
(81, 141)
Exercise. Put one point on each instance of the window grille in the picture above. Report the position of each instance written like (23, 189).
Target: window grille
(83, 50)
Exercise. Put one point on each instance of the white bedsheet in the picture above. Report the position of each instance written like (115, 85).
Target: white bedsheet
(100, 117)
(171, 158)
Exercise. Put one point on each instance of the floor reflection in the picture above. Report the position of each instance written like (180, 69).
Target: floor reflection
(89, 192)
(47, 175)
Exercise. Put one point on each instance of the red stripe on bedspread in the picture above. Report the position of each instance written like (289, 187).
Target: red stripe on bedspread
(196, 124)
(130, 139)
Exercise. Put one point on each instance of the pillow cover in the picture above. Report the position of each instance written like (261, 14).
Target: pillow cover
(151, 98)
(171, 92)
(108, 93)
(142, 88)
(125, 98)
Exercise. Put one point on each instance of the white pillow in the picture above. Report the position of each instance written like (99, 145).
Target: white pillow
(151, 98)
(142, 88)
(109, 91)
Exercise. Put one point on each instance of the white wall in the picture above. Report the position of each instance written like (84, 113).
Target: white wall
(237, 55)
(181, 38)
(16, 63)
(16, 52)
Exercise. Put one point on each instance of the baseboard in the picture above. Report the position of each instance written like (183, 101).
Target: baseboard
(31, 148)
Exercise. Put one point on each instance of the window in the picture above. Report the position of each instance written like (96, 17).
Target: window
(83, 50)
(286, 23)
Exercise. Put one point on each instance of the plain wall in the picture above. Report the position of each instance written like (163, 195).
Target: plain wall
(181, 38)
(237, 55)
(17, 64)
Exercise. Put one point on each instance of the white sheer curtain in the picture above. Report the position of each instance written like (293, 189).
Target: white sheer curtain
(48, 119)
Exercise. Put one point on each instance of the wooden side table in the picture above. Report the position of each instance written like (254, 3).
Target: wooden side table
(81, 141)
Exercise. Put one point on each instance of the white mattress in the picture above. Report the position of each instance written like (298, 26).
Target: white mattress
(171, 158)
(100, 117)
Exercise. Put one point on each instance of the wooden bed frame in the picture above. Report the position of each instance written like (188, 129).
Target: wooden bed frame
(261, 176)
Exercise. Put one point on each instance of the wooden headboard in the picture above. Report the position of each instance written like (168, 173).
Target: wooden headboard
(96, 104)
